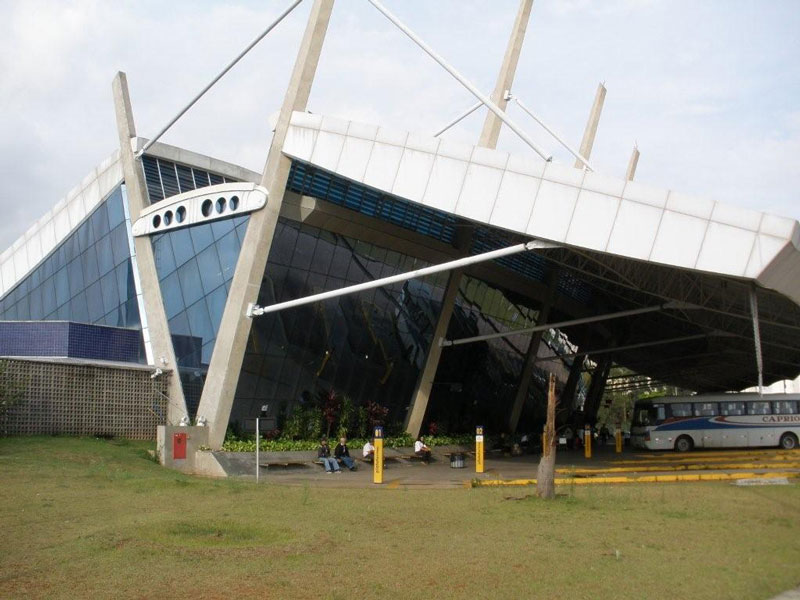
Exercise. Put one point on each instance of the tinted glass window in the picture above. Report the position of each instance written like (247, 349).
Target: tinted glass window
(681, 410)
(759, 408)
(731, 408)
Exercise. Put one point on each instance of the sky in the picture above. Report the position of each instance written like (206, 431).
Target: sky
(709, 90)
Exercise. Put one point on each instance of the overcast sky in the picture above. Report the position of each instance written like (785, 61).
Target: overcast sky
(710, 90)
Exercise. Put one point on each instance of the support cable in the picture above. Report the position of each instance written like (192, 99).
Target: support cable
(459, 118)
(544, 126)
(462, 80)
(218, 77)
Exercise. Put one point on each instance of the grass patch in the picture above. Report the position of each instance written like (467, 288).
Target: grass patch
(84, 516)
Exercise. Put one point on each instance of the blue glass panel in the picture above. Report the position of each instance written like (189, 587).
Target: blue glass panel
(99, 221)
(105, 258)
(75, 275)
(110, 292)
(199, 322)
(228, 252)
(62, 287)
(48, 297)
(222, 227)
(171, 292)
(215, 303)
(210, 270)
(94, 299)
(202, 237)
(181, 245)
(189, 276)
(78, 309)
(85, 235)
(162, 251)
(124, 275)
(116, 212)
(37, 313)
(89, 264)
(179, 325)
(119, 244)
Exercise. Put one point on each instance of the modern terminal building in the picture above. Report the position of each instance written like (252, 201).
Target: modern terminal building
(183, 262)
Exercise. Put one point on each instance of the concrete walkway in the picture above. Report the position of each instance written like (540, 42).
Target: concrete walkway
(605, 462)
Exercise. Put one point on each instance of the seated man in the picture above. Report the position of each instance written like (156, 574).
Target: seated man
(421, 450)
(368, 452)
(324, 454)
(343, 454)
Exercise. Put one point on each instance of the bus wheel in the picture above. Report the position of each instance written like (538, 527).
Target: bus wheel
(683, 444)
(788, 441)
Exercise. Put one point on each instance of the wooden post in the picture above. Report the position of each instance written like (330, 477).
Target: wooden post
(545, 477)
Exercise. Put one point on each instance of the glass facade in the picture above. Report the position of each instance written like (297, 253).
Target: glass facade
(195, 266)
(88, 278)
(372, 345)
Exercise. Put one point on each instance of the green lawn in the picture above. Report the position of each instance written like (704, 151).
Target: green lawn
(97, 518)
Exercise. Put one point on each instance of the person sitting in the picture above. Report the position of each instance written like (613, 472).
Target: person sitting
(421, 450)
(343, 454)
(368, 452)
(324, 454)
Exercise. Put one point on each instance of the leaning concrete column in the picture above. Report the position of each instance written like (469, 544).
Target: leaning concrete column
(155, 316)
(632, 163)
(234, 330)
(530, 356)
(591, 126)
(488, 139)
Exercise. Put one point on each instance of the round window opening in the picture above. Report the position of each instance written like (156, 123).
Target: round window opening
(206, 207)
(156, 221)
(234, 202)
(168, 217)
(180, 214)
(220, 205)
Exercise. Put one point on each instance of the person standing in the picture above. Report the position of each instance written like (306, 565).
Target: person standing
(342, 453)
(324, 454)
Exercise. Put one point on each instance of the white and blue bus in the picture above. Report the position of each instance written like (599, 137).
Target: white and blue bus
(716, 421)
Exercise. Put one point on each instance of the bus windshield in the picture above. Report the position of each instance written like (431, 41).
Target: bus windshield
(648, 414)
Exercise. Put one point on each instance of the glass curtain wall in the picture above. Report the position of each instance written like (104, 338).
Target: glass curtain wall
(88, 278)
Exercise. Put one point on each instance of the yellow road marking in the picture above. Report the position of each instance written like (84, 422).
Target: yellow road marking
(697, 467)
(643, 479)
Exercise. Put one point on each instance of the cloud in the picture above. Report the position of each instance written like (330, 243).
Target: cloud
(710, 90)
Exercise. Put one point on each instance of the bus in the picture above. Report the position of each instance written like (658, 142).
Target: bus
(716, 421)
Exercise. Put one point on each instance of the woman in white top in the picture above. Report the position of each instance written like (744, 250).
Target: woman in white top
(421, 450)
(368, 452)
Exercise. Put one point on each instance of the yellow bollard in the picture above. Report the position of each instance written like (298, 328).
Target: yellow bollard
(618, 440)
(377, 461)
(587, 441)
(479, 449)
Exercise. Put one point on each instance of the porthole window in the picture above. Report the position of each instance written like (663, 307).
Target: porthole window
(206, 208)
(180, 214)
(156, 221)
(220, 205)
(234, 202)
(168, 217)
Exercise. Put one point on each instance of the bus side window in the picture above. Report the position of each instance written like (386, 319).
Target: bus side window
(732, 409)
(661, 413)
(758, 408)
(681, 410)
(705, 409)
(784, 407)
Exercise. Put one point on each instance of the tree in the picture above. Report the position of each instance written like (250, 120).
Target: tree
(545, 475)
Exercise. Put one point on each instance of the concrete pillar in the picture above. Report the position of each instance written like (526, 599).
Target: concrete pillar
(155, 315)
(591, 126)
(505, 79)
(234, 330)
(575, 372)
(488, 139)
(596, 389)
(530, 356)
(632, 163)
